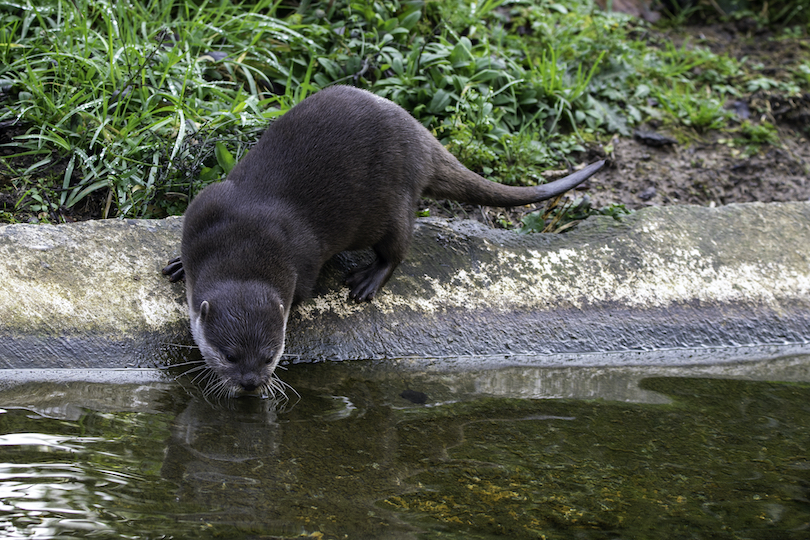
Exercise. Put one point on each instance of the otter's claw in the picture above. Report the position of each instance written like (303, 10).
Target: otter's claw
(175, 270)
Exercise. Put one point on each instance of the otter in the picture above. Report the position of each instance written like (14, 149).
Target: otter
(343, 169)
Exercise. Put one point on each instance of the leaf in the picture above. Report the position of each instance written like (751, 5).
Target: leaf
(181, 134)
(390, 24)
(321, 79)
(410, 20)
(439, 101)
(224, 158)
(81, 191)
(36, 165)
(40, 137)
(486, 75)
(210, 174)
(609, 116)
(642, 91)
(533, 222)
(461, 52)
(66, 179)
(332, 68)
(634, 114)
(397, 66)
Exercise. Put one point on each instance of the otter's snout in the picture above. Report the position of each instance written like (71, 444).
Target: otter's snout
(250, 381)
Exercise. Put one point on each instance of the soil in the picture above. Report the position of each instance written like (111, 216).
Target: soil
(706, 173)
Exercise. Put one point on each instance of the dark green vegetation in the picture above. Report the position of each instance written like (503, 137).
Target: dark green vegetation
(129, 108)
(725, 459)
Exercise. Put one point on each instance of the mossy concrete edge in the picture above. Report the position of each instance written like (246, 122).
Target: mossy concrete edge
(90, 295)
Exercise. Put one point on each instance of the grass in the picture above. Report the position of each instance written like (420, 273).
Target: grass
(129, 109)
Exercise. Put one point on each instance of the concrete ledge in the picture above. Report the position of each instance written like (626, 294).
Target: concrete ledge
(88, 295)
(676, 278)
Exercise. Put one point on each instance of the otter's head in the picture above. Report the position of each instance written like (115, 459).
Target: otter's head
(240, 331)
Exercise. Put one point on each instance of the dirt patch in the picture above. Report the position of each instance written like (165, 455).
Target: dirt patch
(709, 172)
(705, 173)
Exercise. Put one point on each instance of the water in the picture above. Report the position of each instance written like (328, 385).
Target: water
(557, 453)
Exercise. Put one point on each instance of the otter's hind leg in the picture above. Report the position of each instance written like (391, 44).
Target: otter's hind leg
(366, 282)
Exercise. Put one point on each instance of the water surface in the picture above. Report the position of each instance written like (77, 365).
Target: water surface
(557, 453)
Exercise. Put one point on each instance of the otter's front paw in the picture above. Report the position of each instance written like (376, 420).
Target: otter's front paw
(175, 270)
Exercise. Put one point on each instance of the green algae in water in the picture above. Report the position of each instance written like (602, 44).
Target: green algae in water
(727, 459)
(352, 459)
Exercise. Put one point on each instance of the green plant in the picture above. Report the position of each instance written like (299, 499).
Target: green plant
(753, 136)
(120, 97)
(561, 214)
(802, 73)
(695, 111)
(131, 108)
(762, 133)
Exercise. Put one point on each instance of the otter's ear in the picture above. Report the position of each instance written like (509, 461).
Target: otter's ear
(204, 309)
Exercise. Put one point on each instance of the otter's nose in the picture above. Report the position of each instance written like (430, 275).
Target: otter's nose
(250, 382)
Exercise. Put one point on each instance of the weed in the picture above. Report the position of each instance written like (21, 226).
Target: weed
(119, 98)
(753, 136)
(134, 107)
(560, 215)
(683, 106)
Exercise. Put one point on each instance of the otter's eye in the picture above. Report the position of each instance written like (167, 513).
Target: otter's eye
(231, 358)
(268, 360)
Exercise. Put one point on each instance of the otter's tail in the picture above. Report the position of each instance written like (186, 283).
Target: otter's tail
(461, 184)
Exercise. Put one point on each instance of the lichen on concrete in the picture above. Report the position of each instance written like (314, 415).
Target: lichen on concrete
(93, 282)
(660, 278)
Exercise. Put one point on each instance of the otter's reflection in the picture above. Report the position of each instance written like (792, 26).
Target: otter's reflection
(318, 464)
